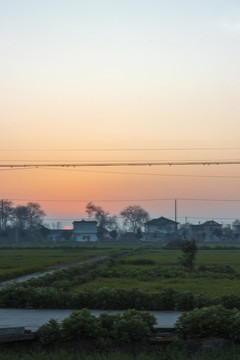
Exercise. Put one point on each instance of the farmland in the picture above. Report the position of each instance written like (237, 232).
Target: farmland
(158, 269)
(20, 260)
(148, 268)
(140, 277)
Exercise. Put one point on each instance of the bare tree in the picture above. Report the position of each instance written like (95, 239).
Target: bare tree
(29, 216)
(36, 215)
(134, 217)
(21, 217)
(102, 217)
(6, 213)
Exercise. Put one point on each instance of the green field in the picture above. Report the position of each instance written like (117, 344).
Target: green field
(22, 260)
(147, 268)
(143, 276)
(232, 353)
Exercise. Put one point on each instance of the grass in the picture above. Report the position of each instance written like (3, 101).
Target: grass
(209, 287)
(15, 263)
(232, 353)
(23, 260)
(166, 259)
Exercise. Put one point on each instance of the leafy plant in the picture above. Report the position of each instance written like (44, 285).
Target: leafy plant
(80, 324)
(212, 321)
(189, 251)
(50, 332)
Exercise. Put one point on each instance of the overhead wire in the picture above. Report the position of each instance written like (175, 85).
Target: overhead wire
(121, 149)
(124, 164)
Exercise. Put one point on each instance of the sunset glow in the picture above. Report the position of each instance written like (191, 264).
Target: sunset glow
(121, 81)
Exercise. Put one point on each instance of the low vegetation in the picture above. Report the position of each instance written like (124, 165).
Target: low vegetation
(170, 354)
(148, 279)
(213, 321)
(106, 330)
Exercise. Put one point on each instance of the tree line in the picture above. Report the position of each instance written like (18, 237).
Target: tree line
(31, 216)
(24, 217)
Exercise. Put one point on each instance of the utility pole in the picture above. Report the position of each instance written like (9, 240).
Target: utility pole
(175, 203)
(1, 215)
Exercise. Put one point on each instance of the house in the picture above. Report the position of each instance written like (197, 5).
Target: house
(85, 231)
(236, 227)
(159, 229)
(207, 231)
(58, 235)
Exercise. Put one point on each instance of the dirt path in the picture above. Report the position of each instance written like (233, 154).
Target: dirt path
(51, 270)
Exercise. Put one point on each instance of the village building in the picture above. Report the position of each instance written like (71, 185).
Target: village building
(207, 231)
(85, 231)
(159, 229)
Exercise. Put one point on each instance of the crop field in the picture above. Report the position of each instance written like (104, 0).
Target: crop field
(156, 270)
(216, 272)
(18, 261)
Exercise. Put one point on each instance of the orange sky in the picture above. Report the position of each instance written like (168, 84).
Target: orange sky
(121, 75)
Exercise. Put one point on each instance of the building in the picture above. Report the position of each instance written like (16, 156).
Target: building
(159, 229)
(207, 231)
(85, 231)
(58, 235)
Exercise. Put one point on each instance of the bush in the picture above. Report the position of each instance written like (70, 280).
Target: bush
(212, 321)
(189, 251)
(49, 332)
(131, 326)
(80, 325)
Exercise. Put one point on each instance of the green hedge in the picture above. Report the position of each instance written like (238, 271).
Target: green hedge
(131, 326)
(213, 321)
(18, 296)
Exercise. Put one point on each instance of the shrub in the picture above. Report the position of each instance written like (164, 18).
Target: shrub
(212, 321)
(189, 251)
(168, 299)
(49, 332)
(79, 325)
(131, 326)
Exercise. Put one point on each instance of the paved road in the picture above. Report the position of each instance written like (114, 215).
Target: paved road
(33, 318)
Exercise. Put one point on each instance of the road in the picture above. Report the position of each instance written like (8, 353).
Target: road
(50, 271)
(32, 319)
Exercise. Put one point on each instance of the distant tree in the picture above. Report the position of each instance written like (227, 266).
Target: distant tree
(21, 217)
(36, 215)
(29, 216)
(139, 234)
(113, 234)
(102, 217)
(236, 222)
(6, 213)
(189, 251)
(134, 217)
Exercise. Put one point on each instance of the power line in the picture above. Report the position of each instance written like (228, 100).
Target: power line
(146, 174)
(126, 149)
(206, 217)
(119, 164)
(126, 200)
(179, 217)
(125, 173)
(118, 160)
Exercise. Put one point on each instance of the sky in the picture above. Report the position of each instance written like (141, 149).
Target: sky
(122, 80)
